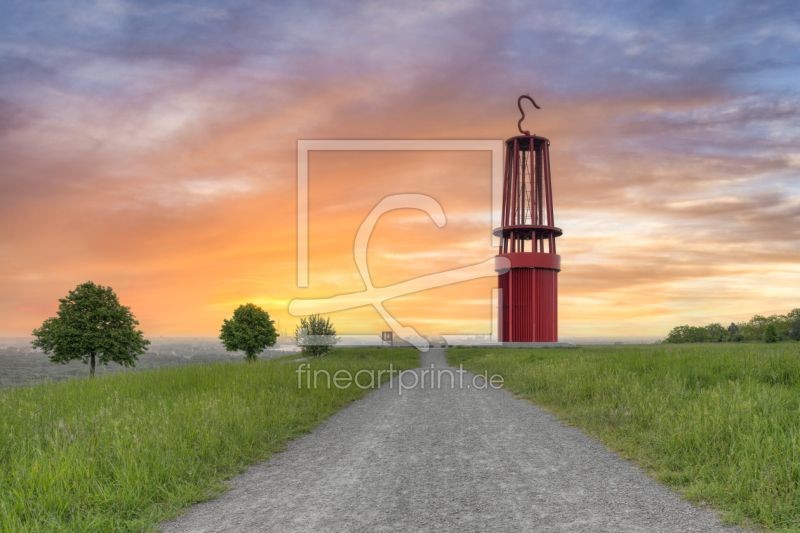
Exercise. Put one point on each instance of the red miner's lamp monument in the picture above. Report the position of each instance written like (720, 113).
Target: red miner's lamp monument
(529, 289)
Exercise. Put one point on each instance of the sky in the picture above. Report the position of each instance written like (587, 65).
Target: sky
(152, 147)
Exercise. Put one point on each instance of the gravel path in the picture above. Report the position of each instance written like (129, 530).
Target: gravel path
(445, 459)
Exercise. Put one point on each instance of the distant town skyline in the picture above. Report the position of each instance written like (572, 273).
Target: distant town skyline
(152, 148)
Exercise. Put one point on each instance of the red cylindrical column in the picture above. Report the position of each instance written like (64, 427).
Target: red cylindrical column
(529, 289)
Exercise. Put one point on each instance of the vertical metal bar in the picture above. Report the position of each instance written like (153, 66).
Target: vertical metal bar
(532, 312)
(536, 196)
(524, 304)
(507, 186)
(534, 175)
(545, 162)
(507, 179)
(504, 216)
(499, 337)
(540, 208)
(522, 187)
(511, 301)
(555, 306)
(505, 189)
(515, 185)
(534, 303)
(549, 185)
(507, 196)
(534, 309)
(514, 194)
(523, 311)
(521, 191)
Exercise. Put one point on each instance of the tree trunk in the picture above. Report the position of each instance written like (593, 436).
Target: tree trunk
(91, 371)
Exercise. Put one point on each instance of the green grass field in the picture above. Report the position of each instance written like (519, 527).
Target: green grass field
(719, 422)
(124, 452)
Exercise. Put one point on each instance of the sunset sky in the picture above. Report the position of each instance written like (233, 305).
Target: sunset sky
(152, 147)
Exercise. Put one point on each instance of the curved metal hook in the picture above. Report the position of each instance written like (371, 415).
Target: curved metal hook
(519, 104)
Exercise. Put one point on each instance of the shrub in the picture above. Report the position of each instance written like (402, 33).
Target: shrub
(316, 336)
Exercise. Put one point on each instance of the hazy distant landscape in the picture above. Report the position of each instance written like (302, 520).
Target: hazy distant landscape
(20, 364)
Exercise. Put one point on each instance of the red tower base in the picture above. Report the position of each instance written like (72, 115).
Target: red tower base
(529, 305)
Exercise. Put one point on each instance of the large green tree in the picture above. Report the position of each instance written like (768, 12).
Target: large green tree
(91, 326)
(250, 331)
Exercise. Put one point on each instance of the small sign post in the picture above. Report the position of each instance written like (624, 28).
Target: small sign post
(386, 336)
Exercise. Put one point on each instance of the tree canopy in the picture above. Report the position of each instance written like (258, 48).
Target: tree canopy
(91, 326)
(250, 331)
(681, 334)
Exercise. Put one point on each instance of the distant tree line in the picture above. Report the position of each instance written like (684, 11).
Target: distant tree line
(767, 328)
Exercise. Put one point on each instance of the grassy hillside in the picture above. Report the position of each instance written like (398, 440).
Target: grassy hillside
(123, 452)
(720, 422)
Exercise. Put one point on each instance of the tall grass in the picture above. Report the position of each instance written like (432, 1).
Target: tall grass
(721, 423)
(123, 452)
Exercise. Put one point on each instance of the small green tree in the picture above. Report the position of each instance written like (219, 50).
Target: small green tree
(250, 330)
(771, 333)
(316, 336)
(91, 326)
